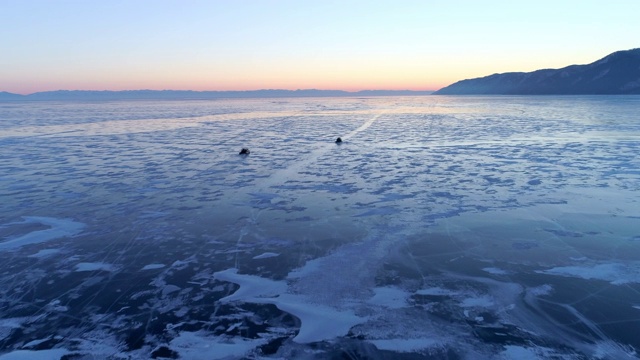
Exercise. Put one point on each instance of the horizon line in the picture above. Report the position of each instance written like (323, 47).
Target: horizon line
(215, 91)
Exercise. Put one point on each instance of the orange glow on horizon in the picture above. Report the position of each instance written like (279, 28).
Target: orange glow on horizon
(25, 89)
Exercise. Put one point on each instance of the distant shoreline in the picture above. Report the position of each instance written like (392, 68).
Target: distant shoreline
(61, 95)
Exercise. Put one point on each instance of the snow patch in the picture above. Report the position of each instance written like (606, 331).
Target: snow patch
(525, 353)
(436, 291)
(153, 266)
(614, 273)
(495, 271)
(480, 301)
(35, 355)
(44, 253)
(541, 290)
(97, 266)
(59, 228)
(198, 346)
(405, 345)
(36, 342)
(168, 289)
(389, 297)
(266, 255)
(318, 322)
(251, 287)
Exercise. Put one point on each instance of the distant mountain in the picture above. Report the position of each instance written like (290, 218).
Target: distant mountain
(9, 96)
(62, 95)
(618, 73)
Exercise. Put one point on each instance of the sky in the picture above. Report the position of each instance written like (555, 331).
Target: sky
(298, 44)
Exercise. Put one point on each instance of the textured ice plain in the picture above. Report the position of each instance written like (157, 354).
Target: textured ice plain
(467, 227)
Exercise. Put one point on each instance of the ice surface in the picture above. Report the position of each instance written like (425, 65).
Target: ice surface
(441, 227)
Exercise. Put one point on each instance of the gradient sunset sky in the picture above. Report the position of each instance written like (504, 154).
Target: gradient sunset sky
(301, 44)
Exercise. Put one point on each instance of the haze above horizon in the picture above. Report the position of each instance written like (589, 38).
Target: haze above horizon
(251, 44)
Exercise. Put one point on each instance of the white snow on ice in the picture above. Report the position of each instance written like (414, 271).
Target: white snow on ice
(49, 354)
(527, 353)
(318, 322)
(58, 228)
(96, 266)
(405, 345)
(541, 290)
(44, 253)
(251, 287)
(153, 266)
(480, 301)
(495, 271)
(389, 297)
(437, 291)
(201, 346)
(614, 273)
(266, 255)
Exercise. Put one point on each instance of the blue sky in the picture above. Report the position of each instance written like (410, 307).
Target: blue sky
(251, 44)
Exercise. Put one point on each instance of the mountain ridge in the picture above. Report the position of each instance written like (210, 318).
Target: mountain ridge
(616, 74)
(61, 95)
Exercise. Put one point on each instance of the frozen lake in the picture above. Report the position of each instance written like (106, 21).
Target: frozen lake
(440, 228)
